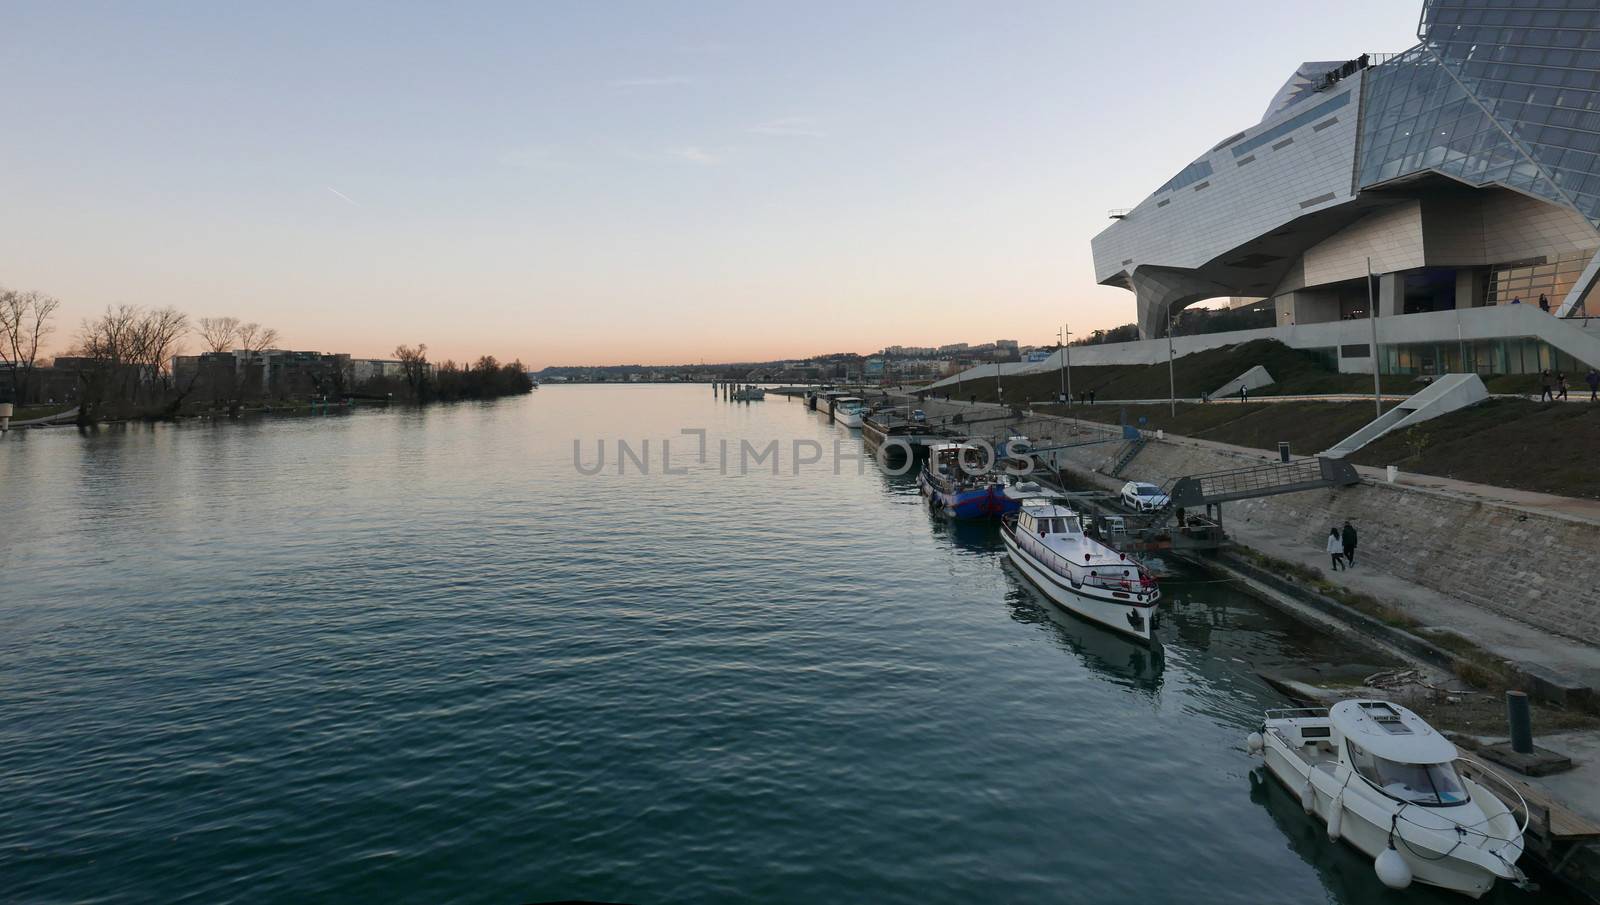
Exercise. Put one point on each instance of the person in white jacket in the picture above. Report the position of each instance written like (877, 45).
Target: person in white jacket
(1336, 549)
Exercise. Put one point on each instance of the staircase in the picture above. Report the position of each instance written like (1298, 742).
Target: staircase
(1126, 455)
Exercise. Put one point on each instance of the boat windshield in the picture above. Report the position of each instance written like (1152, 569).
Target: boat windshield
(1424, 784)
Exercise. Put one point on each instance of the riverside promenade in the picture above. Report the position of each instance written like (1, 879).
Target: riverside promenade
(1504, 635)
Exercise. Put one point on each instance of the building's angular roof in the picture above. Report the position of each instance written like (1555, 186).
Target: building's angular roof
(1300, 86)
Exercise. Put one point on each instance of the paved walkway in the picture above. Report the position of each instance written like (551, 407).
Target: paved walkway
(1572, 662)
(68, 415)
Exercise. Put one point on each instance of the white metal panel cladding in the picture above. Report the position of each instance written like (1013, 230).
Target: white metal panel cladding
(1241, 203)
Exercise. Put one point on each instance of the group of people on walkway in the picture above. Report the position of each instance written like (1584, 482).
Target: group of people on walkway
(1553, 388)
(1342, 546)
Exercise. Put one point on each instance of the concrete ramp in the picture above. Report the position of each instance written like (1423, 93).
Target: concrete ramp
(1253, 379)
(1445, 395)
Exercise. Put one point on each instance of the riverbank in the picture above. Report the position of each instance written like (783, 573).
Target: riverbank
(1460, 659)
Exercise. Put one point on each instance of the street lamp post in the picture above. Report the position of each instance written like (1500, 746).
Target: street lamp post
(1172, 380)
(1065, 335)
(1372, 318)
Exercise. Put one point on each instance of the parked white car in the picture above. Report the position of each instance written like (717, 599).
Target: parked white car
(1141, 497)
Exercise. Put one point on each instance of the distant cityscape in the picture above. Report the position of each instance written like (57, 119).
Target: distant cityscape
(892, 364)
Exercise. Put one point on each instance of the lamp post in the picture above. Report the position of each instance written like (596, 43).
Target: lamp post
(1065, 335)
(1372, 318)
(1172, 380)
(999, 391)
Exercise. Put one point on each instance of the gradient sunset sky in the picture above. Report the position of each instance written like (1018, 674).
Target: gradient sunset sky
(610, 182)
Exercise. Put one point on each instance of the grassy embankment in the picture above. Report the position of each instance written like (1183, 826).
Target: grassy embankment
(1296, 373)
(1513, 443)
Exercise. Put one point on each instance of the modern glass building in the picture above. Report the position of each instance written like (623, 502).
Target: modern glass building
(1465, 172)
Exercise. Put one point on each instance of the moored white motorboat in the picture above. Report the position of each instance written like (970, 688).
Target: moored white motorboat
(848, 411)
(1078, 573)
(749, 393)
(1385, 782)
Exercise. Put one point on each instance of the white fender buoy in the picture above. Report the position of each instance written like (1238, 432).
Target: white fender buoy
(1393, 871)
(1336, 817)
(1308, 798)
(1253, 742)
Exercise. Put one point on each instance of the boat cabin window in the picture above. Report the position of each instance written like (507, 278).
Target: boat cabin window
(1433, 785)
(1057, 525)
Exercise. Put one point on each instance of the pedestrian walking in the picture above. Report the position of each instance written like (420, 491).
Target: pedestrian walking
(1347, 538)
(1545, 386)
(1561, 385)
(1244, 393)
(1544, 303)
(1335, 549)
(1091, 397)
(1593, 380)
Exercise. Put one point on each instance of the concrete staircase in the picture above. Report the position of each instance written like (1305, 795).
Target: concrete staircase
(1126, 455)
(1445, 395)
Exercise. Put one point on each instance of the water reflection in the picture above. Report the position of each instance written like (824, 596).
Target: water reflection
(980, 537)
(1125, 662)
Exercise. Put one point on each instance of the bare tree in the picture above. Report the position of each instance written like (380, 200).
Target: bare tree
(252, 340)
(24, 323)
(414, 362)
(255, 339)
(107, 343)
(218, 333)
(159, 334)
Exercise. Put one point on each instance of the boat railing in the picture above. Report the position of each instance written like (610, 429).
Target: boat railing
(1294, 713)
(1477, 772)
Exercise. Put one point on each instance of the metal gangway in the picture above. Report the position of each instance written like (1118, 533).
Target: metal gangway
(1251, 482)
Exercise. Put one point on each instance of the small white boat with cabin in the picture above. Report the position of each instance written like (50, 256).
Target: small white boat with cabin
(749, 393)
(1078, 573)
(1386, 783)
(848, 410)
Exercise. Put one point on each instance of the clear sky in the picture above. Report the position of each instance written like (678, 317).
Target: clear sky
(612, 182)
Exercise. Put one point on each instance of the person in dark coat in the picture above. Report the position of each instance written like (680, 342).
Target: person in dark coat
(1348, 536)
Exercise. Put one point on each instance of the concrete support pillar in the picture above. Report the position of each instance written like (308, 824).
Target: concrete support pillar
(1469, 288)
(1391, 294)
(1284, 305)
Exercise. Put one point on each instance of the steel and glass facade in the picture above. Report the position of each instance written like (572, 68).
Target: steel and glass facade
(1503, 93)
(1465, 171)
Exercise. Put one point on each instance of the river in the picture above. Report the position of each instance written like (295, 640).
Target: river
(416, 655)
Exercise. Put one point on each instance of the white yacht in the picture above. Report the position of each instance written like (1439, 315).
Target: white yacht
(848, 410)
(1385, 782)
(749, 393)
(1078, 573)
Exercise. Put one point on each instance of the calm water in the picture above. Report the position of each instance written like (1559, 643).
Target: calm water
(414, 656)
